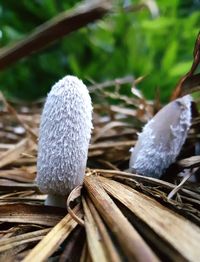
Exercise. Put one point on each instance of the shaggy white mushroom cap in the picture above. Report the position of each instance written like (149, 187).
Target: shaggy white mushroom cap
(162, 138)
(64, 136)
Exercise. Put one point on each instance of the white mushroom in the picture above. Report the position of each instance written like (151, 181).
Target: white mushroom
(64, 136)
(162, 139)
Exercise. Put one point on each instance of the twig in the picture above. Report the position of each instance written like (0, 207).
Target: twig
(178, 187)
(76, 192)
(190, 162)
(12, 111)
(59, 26)
(117, 81)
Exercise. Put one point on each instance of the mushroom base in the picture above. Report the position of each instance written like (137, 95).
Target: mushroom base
(56, 200)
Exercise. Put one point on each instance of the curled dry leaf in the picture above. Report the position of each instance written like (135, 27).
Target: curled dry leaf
(190, 80)
(76, 193)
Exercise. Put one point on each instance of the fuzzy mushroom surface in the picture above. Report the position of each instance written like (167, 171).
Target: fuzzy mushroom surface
(162, 138)
(64, 135)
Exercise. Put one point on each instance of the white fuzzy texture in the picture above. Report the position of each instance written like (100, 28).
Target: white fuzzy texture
(162, 139)
(64, 136)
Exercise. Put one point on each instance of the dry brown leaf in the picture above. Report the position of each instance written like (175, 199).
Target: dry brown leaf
(53, 239)
(180, 233)
(15, 241)
(190, 80)
(23, 174)
(130, 241)
(6, 184)
(94, 240)
(110, 249)
(108, 127)
(14, 153)
(22, 213)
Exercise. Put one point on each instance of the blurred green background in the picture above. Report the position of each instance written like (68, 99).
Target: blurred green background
(123, 43)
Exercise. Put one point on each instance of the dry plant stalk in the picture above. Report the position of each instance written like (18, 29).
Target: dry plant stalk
(94, 240)
(29, 214)
(76, 193)
(131, 242)
(193, 161)
(12, 111)
(14, 153)
(174, 229)
(57, 27)
(143, 179)
(53, 239)
(179, 186)
(110, 249)
(15, 241)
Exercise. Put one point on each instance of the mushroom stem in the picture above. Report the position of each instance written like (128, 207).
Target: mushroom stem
(55, 200)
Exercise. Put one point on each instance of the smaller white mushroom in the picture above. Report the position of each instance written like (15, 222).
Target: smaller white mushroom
(64, 136)
(162, 139)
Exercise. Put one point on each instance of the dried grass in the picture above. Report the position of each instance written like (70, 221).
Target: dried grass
(126, 216)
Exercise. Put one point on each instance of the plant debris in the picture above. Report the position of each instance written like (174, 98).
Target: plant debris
(121, 215)
(115, 215)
